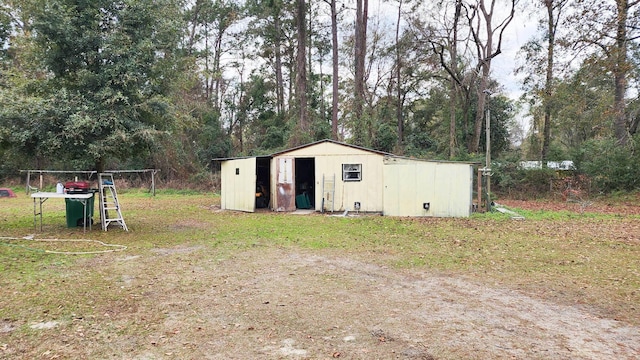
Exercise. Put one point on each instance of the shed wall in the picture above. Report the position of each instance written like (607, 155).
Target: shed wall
(329, 158)
(409, 184)
(238, 191)
(368, 191)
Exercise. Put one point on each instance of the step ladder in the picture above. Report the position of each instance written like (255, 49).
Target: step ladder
(109, 205)
(328, 192)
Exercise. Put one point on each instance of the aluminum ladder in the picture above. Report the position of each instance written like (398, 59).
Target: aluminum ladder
(109, 201)
(328, 192)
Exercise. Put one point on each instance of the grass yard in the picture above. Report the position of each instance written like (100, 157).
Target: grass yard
(195, 282)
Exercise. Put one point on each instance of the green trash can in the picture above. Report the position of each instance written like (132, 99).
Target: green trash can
(75, 212)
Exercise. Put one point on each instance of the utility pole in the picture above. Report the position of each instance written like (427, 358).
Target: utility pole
(487, 168)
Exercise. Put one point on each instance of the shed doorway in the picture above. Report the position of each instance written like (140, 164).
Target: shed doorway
(305, 174)
(263, 182)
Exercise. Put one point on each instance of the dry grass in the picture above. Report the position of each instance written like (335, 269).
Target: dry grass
(192, 280)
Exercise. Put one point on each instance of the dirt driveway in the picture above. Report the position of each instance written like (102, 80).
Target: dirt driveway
(270, 303)
(292, 304)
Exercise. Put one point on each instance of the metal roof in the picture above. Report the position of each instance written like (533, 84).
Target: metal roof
(305, 146)
(342, 144)
(333, 142)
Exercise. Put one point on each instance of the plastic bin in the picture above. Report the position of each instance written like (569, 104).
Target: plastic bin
(75, 212)
(302, 201)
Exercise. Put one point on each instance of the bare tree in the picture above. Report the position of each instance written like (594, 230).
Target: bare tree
(209, 25)
(444, 40)
(610, 27)
(455, 83)
(488, 40)
(621, 67)
(554, 12)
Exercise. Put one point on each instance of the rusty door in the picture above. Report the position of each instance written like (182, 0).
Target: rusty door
(285, 185)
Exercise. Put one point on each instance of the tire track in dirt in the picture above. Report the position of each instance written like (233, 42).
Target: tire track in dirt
(275, 303)
(471, 319)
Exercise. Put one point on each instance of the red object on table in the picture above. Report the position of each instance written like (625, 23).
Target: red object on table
(76, 187)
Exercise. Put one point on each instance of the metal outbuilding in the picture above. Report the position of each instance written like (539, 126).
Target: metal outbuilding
(332, 176)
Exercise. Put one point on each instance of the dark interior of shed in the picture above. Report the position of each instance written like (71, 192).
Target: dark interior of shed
(305, 180)
(262, 183)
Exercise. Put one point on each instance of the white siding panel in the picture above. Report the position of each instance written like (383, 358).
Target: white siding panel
(407, 186)
(454, 195)
(447, 187)
(238, 191)
(368, 191)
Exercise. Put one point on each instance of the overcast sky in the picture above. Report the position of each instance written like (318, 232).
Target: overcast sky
(521, 30)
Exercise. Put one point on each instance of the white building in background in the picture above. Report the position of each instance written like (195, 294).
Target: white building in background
(556, 165)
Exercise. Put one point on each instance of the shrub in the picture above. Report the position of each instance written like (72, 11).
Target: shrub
(510, 180)
(610, 166)
(524, 184)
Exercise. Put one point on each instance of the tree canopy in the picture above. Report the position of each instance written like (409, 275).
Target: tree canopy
(166, 84)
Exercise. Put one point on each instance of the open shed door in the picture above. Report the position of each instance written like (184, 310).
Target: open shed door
(285, 186)
(239, 185)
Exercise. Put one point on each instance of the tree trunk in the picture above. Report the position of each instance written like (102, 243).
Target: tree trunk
(278, 55)
(399, 102)
(482, 19)
(194, 26)
(480, 118)
(301, 68)
(466, 118)
(100, 165)
(310, 23)
(360, 52)
(456, 87)
(633, 127)
(549, 4)
(620, 71)
(453, 145)
(207, 79)
(335, 83)
(217, 73)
